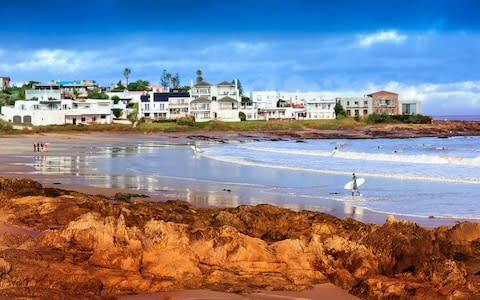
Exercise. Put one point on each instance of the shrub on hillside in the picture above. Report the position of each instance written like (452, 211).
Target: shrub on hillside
(5, 127)
(242, 116)
(408, 119)
(117, 112)
(186, 121)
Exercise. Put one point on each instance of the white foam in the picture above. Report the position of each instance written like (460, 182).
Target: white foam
(418, 159)
(245, 162)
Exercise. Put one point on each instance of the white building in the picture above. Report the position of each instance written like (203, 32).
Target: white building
(34, 94)
(409, 107)
(58, 112)
(318, 108)
(162, 106)
(215, 102)
(292, 105)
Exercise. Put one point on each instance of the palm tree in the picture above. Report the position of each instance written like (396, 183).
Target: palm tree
(126, 73)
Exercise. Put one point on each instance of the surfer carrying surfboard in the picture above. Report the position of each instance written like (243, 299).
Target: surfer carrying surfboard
(354, 185)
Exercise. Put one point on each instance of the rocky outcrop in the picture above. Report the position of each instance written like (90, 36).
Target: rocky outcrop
(95, 247)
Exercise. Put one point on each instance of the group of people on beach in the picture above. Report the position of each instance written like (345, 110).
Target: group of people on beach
(40, 147)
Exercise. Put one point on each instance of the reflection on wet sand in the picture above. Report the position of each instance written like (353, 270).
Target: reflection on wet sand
(174, 173)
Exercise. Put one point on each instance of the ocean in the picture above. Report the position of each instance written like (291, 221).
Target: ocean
(458, 117)
(418, 177)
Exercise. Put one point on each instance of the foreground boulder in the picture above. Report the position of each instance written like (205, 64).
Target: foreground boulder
(93, 247)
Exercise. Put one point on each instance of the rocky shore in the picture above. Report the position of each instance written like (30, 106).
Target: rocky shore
(72, 245)
(442, 129)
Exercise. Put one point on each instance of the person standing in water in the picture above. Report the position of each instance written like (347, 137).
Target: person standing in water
(354, 185)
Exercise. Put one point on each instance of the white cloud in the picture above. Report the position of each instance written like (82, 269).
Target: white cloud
(390, 36)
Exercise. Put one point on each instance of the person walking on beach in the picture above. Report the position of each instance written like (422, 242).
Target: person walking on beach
(34, 147)
(38, 147)
(354, 185)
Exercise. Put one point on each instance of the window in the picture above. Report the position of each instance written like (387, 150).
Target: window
(103, 117)
(365, 102)
(214, 98)
(83, 119)
(357, 113)
(365, 112)
(348, 103)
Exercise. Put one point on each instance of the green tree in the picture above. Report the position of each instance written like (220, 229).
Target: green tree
(97, 94)
(339, 111)
(115, 99)
(119, 87)
(242, 116)
(239, 86)
(117, 112)
(126, 74)
(199, 75)
(139, 85)
(175, 81)
(166, 79)
(245, 100)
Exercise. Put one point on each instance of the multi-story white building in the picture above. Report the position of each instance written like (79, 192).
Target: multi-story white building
(292, 105)
(162, 106)
(356, 106)
(215, 102)
(58, 112)
(68, 88)
(318, 108)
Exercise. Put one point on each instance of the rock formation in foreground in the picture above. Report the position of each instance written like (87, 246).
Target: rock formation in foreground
(85, 246)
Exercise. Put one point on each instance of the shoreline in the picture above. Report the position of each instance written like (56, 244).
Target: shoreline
(15, 149)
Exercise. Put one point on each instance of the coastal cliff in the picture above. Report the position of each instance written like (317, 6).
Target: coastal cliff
(90, 246)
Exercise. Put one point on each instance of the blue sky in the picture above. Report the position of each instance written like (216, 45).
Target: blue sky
(425, 50)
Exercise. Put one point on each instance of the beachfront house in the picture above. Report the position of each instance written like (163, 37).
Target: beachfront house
(215, 102)
(384, 102)
(319, 108)
(67, 88)
(356, 106)
(46, 111)
(292, 105)
(165, 105)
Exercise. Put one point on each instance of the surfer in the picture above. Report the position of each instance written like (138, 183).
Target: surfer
(195, 148)
(354, 185)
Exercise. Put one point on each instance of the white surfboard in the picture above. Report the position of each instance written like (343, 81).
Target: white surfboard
(195, 149)
(349, 185)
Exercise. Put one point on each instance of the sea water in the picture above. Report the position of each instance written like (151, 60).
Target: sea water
(418, 177)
